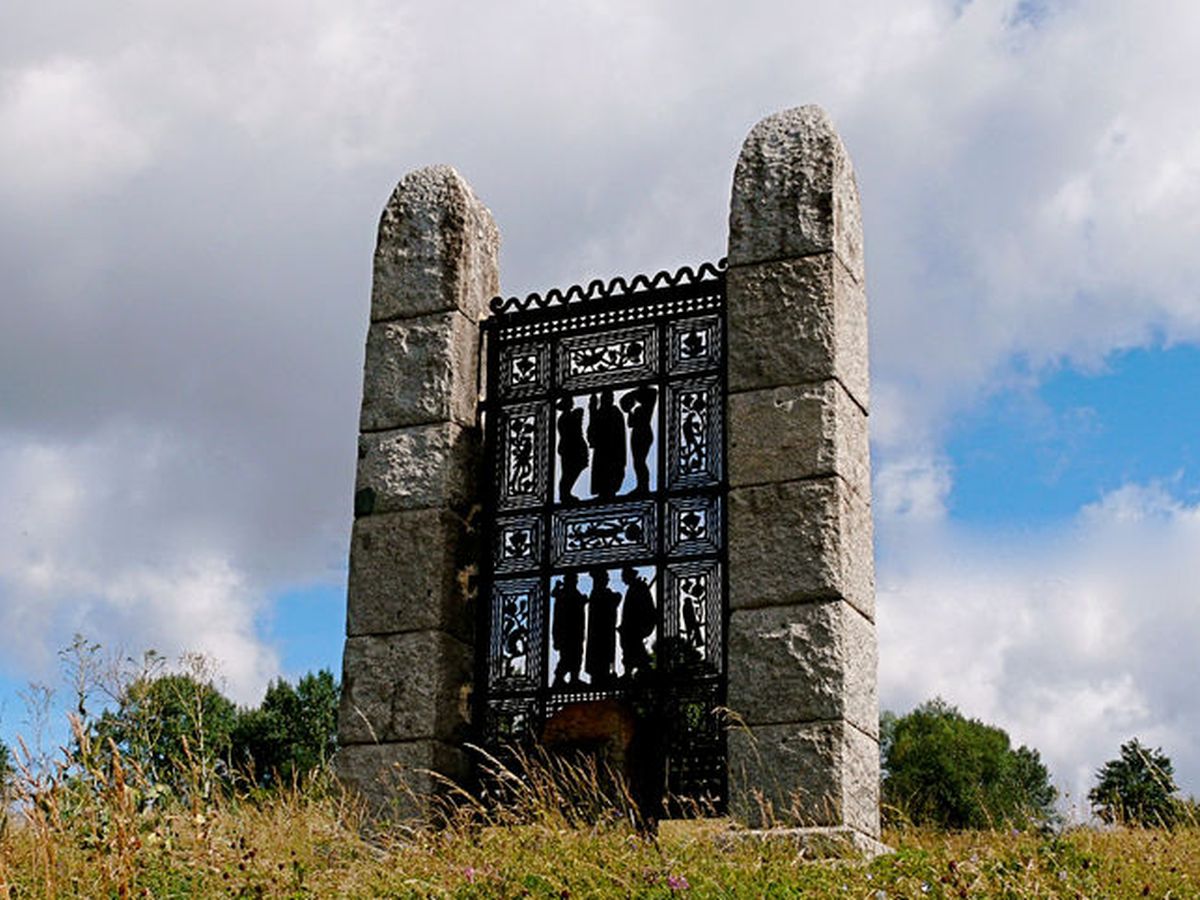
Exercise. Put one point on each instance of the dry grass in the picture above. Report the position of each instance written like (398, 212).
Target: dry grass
(98, 829)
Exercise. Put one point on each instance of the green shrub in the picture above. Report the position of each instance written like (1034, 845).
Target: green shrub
(941, 768)
(1137, 789)
(292, 733)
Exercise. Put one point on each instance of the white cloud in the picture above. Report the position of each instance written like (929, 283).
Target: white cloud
(912, 488)
(185, 270)
(1025, 201)
(126, 584)
(1074, 641)
(62, 131)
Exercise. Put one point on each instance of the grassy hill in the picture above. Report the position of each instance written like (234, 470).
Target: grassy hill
(110, 835)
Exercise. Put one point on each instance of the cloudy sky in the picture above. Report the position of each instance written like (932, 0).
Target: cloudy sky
(188, 200)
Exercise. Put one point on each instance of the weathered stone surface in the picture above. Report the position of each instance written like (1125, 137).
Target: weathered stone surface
(411, 571)
(786, 774)
(794, 193)
(404, 687)
(805, 431)
(407, 665)
(418, 467)
(419, 371)
(860, 784)
(796, 321)
(395, 778)
(437, 249)
(800, 541)
(813, 774)
(818, 842)
(803, 663)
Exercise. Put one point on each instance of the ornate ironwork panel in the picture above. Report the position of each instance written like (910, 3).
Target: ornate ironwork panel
(605, 509)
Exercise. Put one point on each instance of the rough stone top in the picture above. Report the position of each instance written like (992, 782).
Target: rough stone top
(437, 249)
(794, 193)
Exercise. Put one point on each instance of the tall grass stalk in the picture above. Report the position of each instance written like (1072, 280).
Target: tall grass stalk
(93, 821)
(97, 826)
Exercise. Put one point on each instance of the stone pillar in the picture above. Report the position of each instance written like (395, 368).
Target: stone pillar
(407, 668)
(802, 651)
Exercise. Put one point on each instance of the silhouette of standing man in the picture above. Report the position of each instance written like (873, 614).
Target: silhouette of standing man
(567, 634)
(602, 629)
(572, 449)
(637, 621)
(606, 434)
(639, 408)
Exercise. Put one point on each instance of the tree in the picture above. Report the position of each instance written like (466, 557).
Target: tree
(182, 734)
(941, 768)
(1136, 789)
(176, 727)
(293, 732)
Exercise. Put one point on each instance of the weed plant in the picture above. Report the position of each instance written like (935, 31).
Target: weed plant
(95, 827)
(94, 823)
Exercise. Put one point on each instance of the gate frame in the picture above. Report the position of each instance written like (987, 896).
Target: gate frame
(659, 301)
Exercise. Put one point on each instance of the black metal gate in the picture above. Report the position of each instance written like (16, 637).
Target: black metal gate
(605, 574)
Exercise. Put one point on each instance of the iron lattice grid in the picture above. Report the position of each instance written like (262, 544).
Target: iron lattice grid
(553, 362)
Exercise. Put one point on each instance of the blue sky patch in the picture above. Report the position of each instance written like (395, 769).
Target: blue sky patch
(308, 627)
(1036, 456)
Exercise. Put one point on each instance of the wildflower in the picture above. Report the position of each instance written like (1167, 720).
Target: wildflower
(677, 883)
(469, 872)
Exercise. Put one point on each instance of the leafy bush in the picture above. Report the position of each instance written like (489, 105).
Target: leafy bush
(184, 736)
(941, 768)
(292, 733)
(1136, 789)
(173, 726)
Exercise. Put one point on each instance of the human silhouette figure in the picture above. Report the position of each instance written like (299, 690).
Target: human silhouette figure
(572, 449)
(602, 629)
(637, 621)
(567, 633)
(606, 434)
(639, 410)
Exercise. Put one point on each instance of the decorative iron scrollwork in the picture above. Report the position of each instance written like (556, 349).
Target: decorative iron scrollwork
(524, 370)
(515, 627)
(590, 535)
(616, 288)
(605, 513)
(694, 344)
(595, 359)
(695, 427)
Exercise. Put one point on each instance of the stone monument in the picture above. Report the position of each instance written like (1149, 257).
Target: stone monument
(796, 660)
